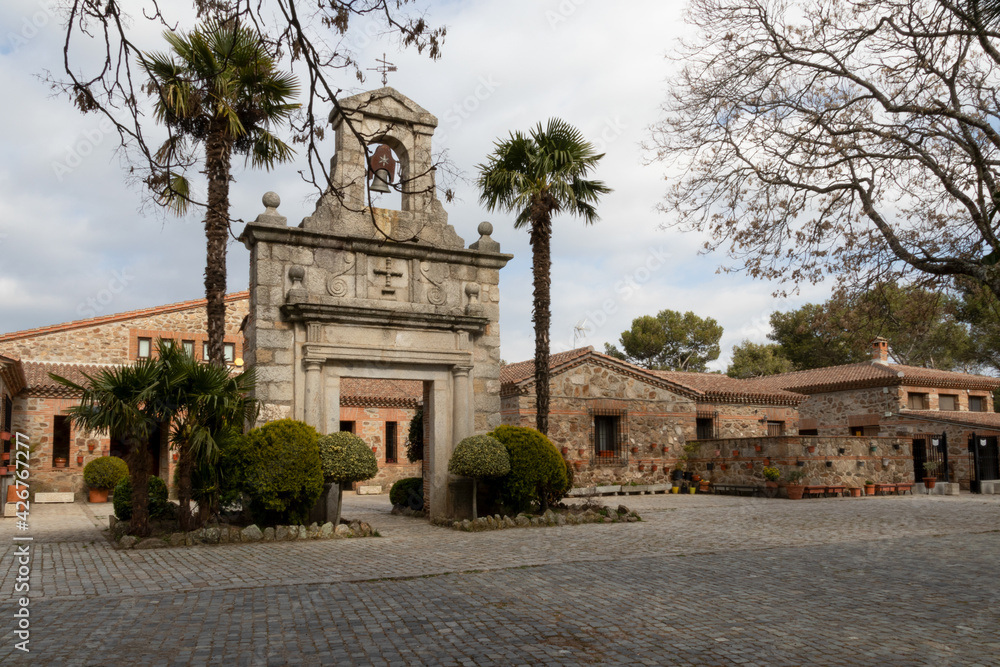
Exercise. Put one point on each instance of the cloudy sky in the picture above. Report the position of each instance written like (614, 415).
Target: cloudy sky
(77, 241)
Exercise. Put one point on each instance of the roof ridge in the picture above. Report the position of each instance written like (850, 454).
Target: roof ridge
(117, 317)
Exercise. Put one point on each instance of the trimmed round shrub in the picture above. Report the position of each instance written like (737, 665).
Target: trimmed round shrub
(479, 457)
(105, 472)
(346, 458)
(283, 476)
(158, 505)
(408, 492)
(537, 469)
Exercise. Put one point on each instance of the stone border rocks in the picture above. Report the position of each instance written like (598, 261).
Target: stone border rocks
(225, 534)
(549, 518)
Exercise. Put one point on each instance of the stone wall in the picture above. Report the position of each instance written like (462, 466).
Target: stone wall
(113, 339)
(833, 460)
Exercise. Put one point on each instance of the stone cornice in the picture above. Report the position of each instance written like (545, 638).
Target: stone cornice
(365, 316)
(296, 236)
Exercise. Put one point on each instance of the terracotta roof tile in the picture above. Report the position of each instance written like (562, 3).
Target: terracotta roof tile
(989, 420)
(717, 387)
(117, 317)
(871, 374)
(525, 370)
(38, 382)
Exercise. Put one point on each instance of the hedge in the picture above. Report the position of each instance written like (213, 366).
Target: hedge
(537, 469)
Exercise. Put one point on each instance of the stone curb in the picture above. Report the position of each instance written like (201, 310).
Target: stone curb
(233, 535)
(550, 518)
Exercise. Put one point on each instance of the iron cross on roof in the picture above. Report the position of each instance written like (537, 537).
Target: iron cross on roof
(384, 68)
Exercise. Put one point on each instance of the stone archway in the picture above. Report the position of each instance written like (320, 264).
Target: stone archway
(335, 298)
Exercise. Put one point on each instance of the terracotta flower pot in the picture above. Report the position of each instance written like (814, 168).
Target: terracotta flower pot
(855, 492)
(565, 451)
(869, 489)
(4, 435)
(5, 456)
(696, 477)
(795, 491)
(98, 495)
(635, 450)
(642, 467)
(79, 459)
(91, 446)
(3, 470)
(811, 449)
(653, 467)
(929, 482)
(61, 463)
(736, 453)
(757, 448)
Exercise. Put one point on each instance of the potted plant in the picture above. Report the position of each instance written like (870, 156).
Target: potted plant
(772, 475)
(703, 485)
(930, 470)
(811, 449)
(794, 489)
(869, 487)
(61, 462)
(103, 474)
(855, 492)
(79, 459)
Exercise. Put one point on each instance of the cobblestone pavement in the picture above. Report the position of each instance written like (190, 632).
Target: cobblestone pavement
(703, 580)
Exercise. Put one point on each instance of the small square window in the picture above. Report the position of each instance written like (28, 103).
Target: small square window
(917, 401)
(229, 352)
(977, 404)
(775, 429)
(145, 347)
(188, 347)
(948, 402)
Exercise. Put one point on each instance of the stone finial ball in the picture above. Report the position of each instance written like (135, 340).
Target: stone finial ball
(485, 228)
(271, 200)
(297, 273)
(472, 288)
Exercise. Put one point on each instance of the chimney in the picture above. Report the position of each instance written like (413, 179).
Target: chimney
(880, 351)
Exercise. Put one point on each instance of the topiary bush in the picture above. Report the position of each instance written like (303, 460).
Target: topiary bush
(159, 507)
(537, 469)
(408, 492)
(479, 457)
(283, 477)
(105, 472)
(346, 458)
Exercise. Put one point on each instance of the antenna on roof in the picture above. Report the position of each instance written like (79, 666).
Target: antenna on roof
(579, 331)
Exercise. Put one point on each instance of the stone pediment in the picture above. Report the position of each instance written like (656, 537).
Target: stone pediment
(388, 104)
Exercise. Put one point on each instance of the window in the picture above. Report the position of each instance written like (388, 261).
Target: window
(606, 436)
(60, 439)
(391, 429)
(977, 404)
(809, 431)
(229, 352)
(145, 348)
(705, 428)
(188, 346)
(204, 351)
(775, 429)
(917, 401)
(347, 426)
(948, 402)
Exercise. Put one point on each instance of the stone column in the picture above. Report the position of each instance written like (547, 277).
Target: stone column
(332, 398)
(314, 392)
(462, 408)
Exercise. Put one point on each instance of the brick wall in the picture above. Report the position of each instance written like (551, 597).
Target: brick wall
(370, 426)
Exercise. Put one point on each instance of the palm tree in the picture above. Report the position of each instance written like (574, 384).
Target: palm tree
(208, 405)
(122, 403)
(219, 88)
(536, 176)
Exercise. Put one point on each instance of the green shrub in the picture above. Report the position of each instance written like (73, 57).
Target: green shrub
(282, 474)
(408, 492)
(346, 458)
(105, 472)
(159, 507)
(415, 438)
(537, 469)
(479, 456)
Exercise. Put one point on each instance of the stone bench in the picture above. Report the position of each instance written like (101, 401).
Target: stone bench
(738, 489)
(43, 497)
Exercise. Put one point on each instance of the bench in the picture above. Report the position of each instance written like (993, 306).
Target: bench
(814, 490)
(882, 489)
(738, 489)
(836, 490)
(53, 497)
(904, 487)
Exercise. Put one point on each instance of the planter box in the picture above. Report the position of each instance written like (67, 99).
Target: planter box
(635, 490)
(582, 491)
(369, 490)
(604, 490)
(659, 488)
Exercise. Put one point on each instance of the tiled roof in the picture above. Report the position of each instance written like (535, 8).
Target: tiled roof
(717, 387)
(38, 382)
(361, 392)
(117, 317)
(525, 370)
(989, 420)
(12, 372)
(703, 386)
(871, 374)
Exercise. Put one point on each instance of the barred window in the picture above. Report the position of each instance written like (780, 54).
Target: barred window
(609, 436)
